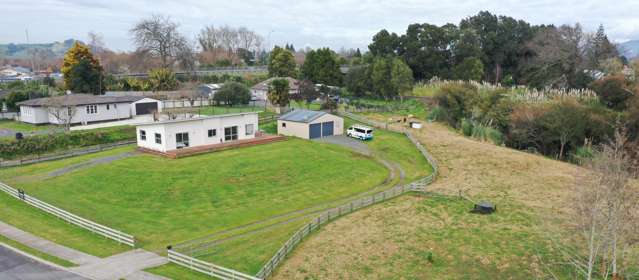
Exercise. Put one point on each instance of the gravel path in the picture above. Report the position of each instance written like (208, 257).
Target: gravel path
(348, 142)
(90, 163)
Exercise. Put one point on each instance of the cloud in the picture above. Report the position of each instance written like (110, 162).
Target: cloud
(333, 23)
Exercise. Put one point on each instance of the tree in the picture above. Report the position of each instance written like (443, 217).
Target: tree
(384, 44)
(470, 69)
(162, 79)
(281, 63)
(322, 66)
(602, 49)
(358, 80)
(606, 210)
(401, 77)
(307, 92)
(613, 92)
(82, 72)
(381, 78)
(278, 92)
(232, 93)
(62, 113)
(565, 124)
(159, 36)
(502, 39)
(426, 49)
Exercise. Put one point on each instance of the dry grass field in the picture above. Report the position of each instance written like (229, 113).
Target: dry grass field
(433, 235)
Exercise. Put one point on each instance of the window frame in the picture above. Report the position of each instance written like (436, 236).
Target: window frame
(185, 144)
(246, 129)
(158, 138)
(142, 135)
(92, 109)
(233, 135)
(212, 132)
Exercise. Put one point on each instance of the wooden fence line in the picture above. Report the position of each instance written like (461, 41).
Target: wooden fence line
(94, 227)
(207, 268)
(321, 219)
(347, 208)
(66, 154)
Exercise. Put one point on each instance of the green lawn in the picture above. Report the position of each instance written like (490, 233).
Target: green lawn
(25, 128)
(220, 110)
(162, 201)
(35, 252)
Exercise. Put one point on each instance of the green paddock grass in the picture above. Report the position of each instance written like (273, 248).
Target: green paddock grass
(23, 127)
(162, 201)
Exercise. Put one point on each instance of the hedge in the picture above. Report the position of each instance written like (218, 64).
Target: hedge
(42, 144)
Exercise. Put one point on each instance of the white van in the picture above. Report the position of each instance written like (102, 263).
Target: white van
(360, 132)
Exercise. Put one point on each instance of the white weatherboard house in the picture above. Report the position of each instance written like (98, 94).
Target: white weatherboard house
(85, 108)
(259, 91)
(309, 124)
(175, 134)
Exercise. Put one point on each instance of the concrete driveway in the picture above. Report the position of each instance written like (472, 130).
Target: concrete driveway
(15, 266)
(348, 142)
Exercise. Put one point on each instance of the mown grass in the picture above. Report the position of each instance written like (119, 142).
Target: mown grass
(162, 201)
(37, 222)
(23, 127)
(35, 253)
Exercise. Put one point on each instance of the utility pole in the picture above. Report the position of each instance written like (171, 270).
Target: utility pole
(26, 31)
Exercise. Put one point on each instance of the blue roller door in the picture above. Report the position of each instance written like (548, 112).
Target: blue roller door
(327, 129)
(315, 130)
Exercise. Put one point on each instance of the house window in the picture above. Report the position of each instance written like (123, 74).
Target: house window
(142, 135)
(108, 107)
(158, 138)
(92, 109)
(182, 140)
(212, 132)
(230, 133)
(283, 124)
(249, 129)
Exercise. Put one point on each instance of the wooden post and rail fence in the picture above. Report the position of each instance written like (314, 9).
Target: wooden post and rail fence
(94, 227)
(316, 223)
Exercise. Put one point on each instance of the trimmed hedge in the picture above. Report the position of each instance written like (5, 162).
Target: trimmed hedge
(42, 144)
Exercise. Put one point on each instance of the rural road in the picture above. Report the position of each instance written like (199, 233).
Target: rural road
(15, 266)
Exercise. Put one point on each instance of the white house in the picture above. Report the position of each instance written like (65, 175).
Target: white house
(259, 91)
(85, 108)
(309, 124)
(175, 134)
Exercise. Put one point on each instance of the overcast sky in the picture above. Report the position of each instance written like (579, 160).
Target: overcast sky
(332, 23)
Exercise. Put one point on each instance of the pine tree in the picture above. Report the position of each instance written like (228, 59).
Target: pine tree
(82, 72)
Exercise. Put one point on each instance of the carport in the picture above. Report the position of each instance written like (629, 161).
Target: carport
(146, 106)
(309, 124)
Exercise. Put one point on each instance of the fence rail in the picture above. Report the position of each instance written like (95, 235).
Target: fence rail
(66, 154)
(347, 208)
(207, 268)
(108, 232)
(323, 218)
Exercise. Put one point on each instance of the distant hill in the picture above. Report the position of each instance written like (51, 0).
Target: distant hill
(22, 51)
(630, 49)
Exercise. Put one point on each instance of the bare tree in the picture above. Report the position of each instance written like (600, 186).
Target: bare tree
(62, 113)
(159, 36)
(606, 210)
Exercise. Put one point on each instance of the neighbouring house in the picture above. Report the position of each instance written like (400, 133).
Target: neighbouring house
(85, 108)
(309, 124)
(259, 91)
(169, 135)
(208, 90)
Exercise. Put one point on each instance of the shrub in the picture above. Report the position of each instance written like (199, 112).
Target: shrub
(495, 136)
(437, 114)
(41, 144)
(612, 92)
(581, 154)
(467, 127)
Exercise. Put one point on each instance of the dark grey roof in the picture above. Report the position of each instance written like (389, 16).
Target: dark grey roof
(303, 116)
(79, 99)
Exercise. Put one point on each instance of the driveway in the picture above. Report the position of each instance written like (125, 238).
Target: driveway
(348, 142)
(15, 266)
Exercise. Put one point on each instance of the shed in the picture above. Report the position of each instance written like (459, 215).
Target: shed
(309, 124)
